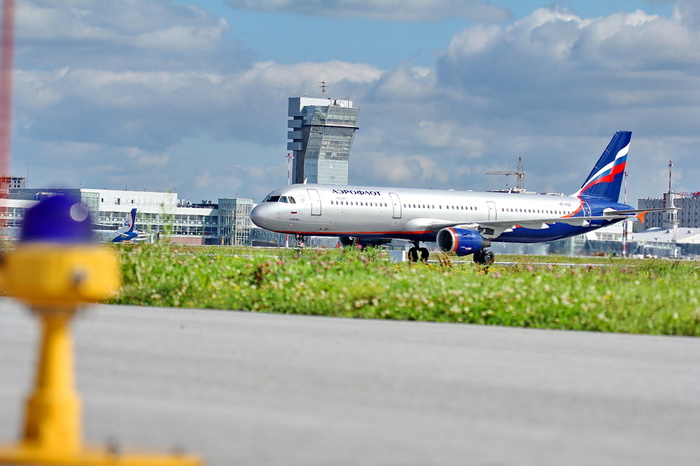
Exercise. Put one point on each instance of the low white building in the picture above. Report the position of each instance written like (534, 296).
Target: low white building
(158, 213)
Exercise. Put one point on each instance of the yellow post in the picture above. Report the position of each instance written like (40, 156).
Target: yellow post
(53, 411)
(53, 272)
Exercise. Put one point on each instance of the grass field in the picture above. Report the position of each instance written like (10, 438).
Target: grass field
(614, 295)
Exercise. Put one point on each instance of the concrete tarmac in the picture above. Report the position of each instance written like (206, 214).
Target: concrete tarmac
(259, 389)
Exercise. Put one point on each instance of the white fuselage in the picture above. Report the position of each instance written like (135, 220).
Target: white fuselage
(414, 214)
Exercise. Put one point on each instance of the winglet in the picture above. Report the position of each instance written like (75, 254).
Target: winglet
(641, 216)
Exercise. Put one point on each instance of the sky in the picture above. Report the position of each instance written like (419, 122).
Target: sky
(190, 96)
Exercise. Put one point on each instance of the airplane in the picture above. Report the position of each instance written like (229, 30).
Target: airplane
(124, 233)
(460, 222)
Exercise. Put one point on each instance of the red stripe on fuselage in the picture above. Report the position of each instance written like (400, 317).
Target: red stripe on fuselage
(356, 233)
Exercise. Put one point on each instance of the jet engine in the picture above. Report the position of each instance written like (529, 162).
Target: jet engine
(461, 242)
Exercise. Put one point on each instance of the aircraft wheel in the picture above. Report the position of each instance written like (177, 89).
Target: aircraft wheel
(413, 255)
(424, 254)
(484, 257)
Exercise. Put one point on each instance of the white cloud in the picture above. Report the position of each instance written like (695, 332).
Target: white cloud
(306, 75)
(687, 12)
(474, 40)
(448, 134)
(141, 159)
(407, 83)
(144, 25)
(158, 108)
(578, 67)
(402, 170)
(188, 110)
(127, 34)
(394, 10)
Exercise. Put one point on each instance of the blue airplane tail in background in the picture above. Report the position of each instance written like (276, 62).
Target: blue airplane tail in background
(129, 222)
(605, 179)
(126, 230)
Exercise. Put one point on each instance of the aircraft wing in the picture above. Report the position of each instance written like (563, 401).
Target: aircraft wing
(495, 228)
(488, 229)
(432, 224)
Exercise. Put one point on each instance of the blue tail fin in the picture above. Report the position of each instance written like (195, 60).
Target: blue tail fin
(129, 222)
(132, 220)
(606, 177)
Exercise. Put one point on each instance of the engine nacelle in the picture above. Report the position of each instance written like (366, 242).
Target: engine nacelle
(458, 241)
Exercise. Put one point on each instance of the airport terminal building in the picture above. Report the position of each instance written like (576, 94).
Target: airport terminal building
(688, 215)
(158, 215)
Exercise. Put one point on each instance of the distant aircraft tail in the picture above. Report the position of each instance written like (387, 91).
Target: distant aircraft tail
(605, 179)
(129, 222)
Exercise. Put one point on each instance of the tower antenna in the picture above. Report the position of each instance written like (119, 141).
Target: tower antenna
(323, 87)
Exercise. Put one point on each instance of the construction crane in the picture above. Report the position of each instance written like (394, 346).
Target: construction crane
(520, 185)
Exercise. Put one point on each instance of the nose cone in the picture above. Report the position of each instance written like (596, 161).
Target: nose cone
(260, 214)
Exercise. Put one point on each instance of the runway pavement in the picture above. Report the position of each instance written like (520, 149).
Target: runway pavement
(259, 389)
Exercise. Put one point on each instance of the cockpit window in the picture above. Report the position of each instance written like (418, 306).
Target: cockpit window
(285, 199)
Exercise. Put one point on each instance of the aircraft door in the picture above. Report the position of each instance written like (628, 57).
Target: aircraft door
(396, 204)
(315, 201)
(491, 206)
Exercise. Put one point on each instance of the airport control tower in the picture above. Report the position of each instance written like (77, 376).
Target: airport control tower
(321, 133)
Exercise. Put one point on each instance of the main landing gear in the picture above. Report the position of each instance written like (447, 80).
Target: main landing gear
(416, 253)
(484, 256)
